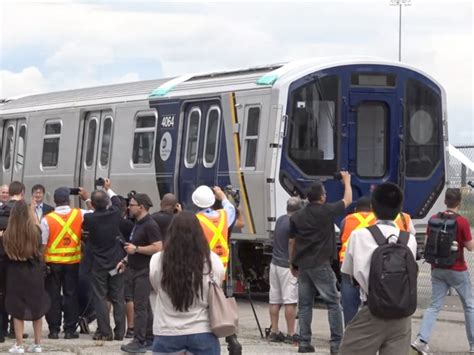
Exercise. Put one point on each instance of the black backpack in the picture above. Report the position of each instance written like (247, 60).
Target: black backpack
(442, 230)
(392, 278)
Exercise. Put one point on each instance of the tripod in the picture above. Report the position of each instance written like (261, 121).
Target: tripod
(243, 280)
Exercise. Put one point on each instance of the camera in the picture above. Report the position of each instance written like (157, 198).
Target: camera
(130, 195)
(99, 182)
(337, 176)
(74, 191)
(233, 192)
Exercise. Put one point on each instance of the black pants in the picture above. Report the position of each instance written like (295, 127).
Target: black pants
(108, 288)
(143, 319)
(63, 277)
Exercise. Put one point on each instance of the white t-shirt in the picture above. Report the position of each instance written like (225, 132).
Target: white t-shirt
(166, 319)
(360, 249)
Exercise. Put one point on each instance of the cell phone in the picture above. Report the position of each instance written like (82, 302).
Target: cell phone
(74, 191)
(113, 272)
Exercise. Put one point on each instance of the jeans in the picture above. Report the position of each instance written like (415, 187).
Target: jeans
(441, 281)
(320, 278)
(350, 298)
(143, 316)
(197, 344)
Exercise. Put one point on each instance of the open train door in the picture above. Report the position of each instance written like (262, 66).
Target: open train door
(96, 144)
(13, 150)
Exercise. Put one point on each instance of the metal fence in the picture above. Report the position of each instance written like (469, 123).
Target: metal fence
(458, 175)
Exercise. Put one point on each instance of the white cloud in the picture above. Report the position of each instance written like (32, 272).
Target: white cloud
(84, 37)
(29, 81)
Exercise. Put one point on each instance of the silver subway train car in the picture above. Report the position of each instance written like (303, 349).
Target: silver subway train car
(267, 131)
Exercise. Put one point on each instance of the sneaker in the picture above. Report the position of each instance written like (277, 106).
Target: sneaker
(276, 337)
(34, 348)
(306, 349)
(134, 347)
(471, 349)
(71, 335)
(420, 346)
(292, 339)
(17, 349)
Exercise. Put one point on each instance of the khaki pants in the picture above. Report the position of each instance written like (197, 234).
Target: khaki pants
(367, 334)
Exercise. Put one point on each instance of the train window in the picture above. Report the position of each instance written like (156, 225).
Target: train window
(211, 138)
(251, 136)
(52, 135)
(20, 148)
(143, 139)
(371, 139)
(312, 126)
(423, 120)
(373, 79)
(106, 141)
(192, 137)
(8, 155)
(91, 133)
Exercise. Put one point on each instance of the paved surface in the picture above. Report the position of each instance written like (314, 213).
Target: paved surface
(449, 335)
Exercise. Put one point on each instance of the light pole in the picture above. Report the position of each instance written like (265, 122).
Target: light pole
(399, 3)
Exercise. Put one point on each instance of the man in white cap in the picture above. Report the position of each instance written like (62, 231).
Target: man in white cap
(215, 225)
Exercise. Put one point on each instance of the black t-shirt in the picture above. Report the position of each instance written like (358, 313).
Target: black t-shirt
(313, 228)
(163, 219)
(145, 232)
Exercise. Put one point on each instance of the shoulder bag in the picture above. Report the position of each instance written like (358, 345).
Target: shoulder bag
(223, 314)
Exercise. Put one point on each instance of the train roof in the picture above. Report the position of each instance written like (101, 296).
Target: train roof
(258, 77)
(273, 75)
(139, 90)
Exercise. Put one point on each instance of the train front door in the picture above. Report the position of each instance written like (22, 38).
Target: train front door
(202, 133)
(13, 150)
(96, 144)
(374, 123)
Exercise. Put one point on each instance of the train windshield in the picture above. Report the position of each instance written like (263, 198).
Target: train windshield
(312, 126)
(423, 127)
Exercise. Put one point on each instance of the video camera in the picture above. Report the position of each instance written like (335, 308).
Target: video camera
(471, 184)
(99, 182)
(233, 192)
(130, 195)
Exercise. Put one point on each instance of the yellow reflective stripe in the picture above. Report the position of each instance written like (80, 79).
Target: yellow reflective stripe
(63, 250)
(363, 222)
(62, 258)
(66, 228)
(217, 233)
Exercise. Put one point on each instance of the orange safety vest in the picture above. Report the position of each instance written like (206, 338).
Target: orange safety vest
(354, 221)
(217, 234)
(64, 242)
(403, 223)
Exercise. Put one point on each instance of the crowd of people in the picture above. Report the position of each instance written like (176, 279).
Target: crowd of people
(152, 271)
(75, 265)
(376, 266)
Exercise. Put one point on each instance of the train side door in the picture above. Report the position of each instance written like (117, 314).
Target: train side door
(202, 133)
(96, 153)
(13, 150)
(373, 145)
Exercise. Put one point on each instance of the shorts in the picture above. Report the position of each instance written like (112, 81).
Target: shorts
(283, 286)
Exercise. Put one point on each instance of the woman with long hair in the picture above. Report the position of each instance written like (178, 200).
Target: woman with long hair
(180, 277)
(26, 297)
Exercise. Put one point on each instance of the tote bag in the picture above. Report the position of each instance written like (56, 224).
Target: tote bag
(223, 313)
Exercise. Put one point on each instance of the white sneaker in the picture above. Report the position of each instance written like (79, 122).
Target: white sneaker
(34, 348)
(421, 347)
(17, 349)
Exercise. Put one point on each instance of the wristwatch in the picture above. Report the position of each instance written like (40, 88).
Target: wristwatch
(136, 248)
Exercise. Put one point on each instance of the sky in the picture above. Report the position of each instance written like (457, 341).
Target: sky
(57, 45)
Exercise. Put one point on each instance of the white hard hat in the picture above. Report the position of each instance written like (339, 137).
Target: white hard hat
(203, 197)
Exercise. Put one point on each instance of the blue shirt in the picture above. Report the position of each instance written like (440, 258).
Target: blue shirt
(228, 208)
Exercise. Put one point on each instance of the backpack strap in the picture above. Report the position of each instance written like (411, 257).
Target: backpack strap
(377, 234)
(403, 237)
